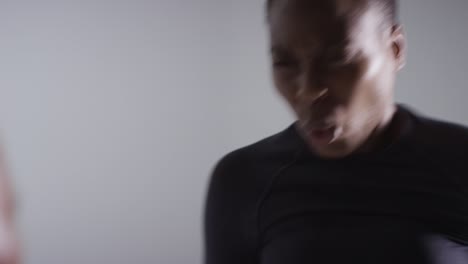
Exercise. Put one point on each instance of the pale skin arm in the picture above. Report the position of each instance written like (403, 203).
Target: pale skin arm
(9, 246)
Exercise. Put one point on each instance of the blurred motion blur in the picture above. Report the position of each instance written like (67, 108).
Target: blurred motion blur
(357, 177)
(9, 244)
(114, 111)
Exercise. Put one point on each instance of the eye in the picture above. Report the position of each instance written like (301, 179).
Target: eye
(338, 63)
(281, 63)
(338, 57)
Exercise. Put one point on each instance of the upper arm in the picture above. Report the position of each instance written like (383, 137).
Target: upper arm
(227, 216)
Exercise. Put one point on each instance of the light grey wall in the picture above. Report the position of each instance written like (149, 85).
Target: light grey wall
(435, 78)
(110, 112)
(114, 112)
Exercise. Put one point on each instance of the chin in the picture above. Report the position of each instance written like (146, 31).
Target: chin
(331, 154)
(335, 150)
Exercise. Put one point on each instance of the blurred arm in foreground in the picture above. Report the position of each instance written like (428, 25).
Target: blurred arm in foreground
(9, 246)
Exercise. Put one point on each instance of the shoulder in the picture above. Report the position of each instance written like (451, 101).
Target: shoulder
(236, 185)
(266, 153)
(250, 168)
(443, 144)
(439, 133)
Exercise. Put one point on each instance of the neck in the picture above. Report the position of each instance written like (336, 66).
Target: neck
(381, 134)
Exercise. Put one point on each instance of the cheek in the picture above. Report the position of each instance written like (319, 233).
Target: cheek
(286, 86)
(379, 80)
(372, 93)
(345, 83)
(366, 83)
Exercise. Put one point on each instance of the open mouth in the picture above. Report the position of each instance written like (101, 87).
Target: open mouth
(322, 135)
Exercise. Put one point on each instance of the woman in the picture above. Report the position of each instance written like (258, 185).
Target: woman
(357, 178)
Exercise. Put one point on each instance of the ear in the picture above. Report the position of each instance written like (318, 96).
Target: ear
(398, 42)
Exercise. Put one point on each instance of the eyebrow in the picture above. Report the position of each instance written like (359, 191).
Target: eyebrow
(336, 48)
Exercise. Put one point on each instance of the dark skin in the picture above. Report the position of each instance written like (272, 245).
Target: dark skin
(335, 63)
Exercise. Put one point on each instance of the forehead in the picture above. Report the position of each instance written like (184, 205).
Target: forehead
(321, 22)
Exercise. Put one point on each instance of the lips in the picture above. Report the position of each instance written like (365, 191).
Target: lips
(320, 127)
(320, 133)
(322, 136)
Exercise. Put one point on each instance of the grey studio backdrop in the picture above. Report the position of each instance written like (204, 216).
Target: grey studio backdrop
(114, 112)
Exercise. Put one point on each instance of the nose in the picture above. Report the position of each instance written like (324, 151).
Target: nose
(312, 95)
(311, 90)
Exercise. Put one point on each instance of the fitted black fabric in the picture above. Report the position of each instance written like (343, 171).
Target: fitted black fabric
(275, 202)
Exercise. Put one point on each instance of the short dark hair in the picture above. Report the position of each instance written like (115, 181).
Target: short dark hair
(389, 7)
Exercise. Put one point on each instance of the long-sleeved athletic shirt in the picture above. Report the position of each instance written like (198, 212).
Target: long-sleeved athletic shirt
(276, 202)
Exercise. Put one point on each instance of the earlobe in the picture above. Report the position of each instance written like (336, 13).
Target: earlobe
(399, 46)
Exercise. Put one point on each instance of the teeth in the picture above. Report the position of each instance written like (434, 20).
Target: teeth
(337, 133)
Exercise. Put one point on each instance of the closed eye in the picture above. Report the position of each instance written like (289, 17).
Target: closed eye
(282, 59)
(338, 64)
(283, 63)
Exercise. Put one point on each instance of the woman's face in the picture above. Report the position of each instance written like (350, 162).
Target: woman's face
(335, 66)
